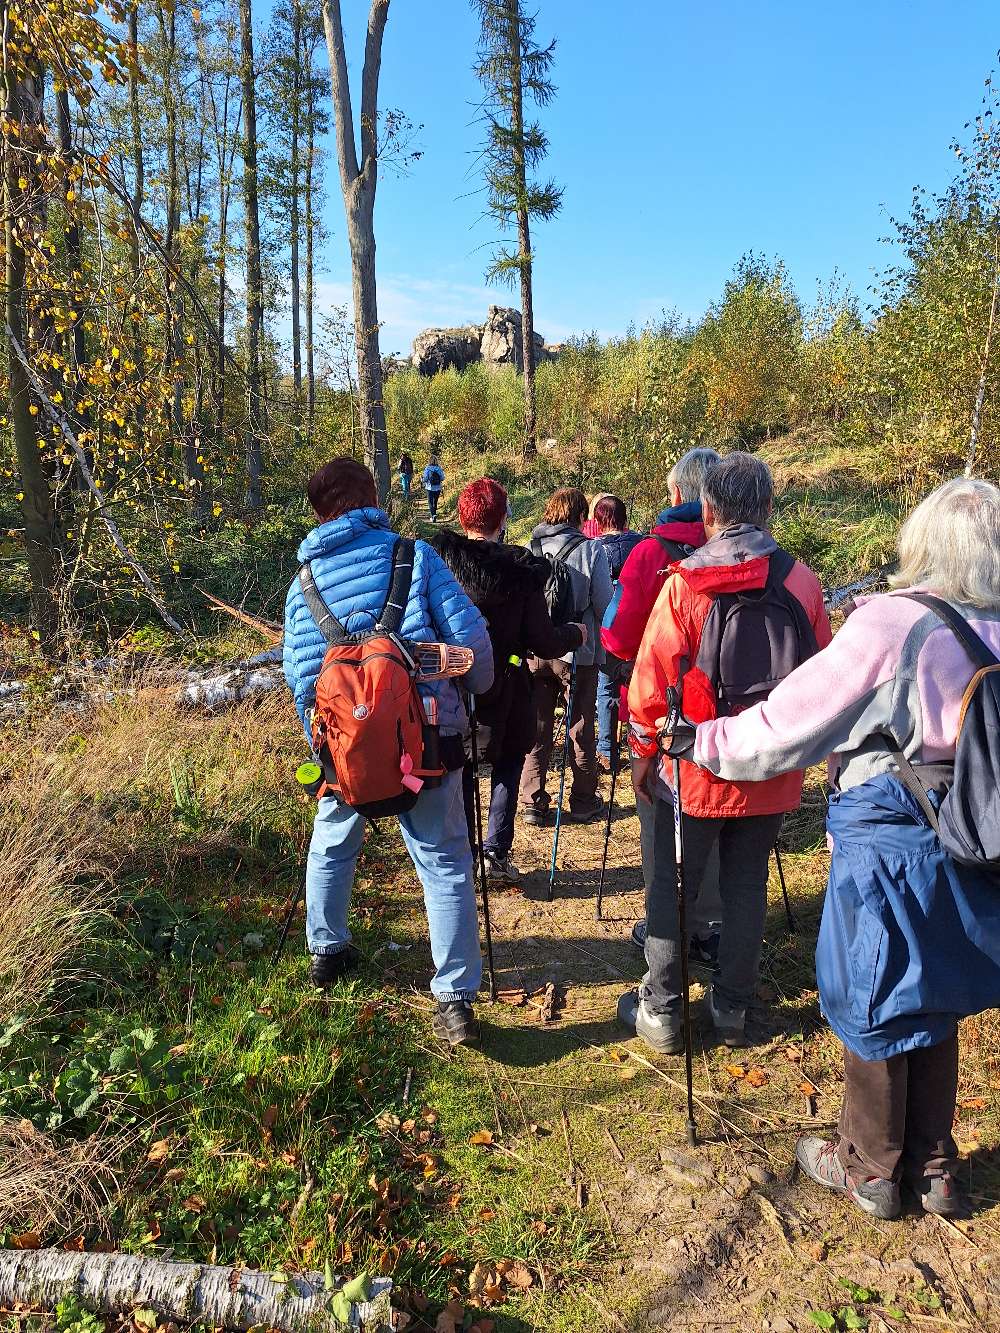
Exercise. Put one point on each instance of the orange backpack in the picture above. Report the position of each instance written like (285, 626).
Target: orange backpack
(369, 727)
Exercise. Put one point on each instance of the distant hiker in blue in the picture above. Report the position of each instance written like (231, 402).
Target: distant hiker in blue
(433, 479)
(350, 555)
(910, 937)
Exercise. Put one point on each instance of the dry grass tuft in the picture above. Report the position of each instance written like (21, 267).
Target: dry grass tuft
(45, 1185)
(51, 886)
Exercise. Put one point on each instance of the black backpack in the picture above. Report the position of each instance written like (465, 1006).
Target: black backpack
(752, 640)
(968, 819)
(564, 595)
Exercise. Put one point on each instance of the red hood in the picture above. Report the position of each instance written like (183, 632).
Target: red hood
(689, 534)
(733, 561)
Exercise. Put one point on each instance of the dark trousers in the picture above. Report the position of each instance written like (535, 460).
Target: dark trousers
(744, 844)
(432, 502)
(897, 1113)
(498, 838)
(704, 913)
(551, 682)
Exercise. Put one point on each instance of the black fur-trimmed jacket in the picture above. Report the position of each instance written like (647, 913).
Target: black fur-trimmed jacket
(507, 584)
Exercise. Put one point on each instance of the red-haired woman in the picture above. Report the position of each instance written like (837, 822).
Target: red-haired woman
(507, 584)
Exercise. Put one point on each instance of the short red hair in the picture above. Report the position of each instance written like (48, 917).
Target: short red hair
(339, 486)
(482, 506)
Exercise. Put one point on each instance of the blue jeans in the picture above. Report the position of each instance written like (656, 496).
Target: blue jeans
(437, 839)
(432, 502)
(405, 480)
(607, 692)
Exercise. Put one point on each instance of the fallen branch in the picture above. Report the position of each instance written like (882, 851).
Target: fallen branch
(238, 1298)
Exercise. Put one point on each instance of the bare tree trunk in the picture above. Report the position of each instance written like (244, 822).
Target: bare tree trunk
(239, 1298)
(310, 226)
(523, 230)
(254, 283)
(294, 211)
(138, 165)
(977, 410)
(358, 184)
(173, 339)
(23, 101)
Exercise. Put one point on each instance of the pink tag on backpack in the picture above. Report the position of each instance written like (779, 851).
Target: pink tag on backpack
(409, 781)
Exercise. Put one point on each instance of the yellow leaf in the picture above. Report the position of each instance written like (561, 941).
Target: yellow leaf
(482, 1138)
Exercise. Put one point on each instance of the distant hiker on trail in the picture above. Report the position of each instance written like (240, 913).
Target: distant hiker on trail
(433, 479)
(590, 526)
(678, 532)
(406, 474)
(731, 619)
(910, 937)
(559, 538)
(352, 556)
(618, 542)
(506, 583)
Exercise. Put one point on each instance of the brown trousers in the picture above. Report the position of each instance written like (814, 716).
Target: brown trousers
(897, 1114)
(551, 683)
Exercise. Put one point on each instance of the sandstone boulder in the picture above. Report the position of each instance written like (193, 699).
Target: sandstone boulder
(440, 349)
(502, 344)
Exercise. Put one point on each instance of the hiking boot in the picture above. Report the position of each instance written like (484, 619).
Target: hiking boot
(704, 952)
(938, 1194)
(638, 936)
(818, 1159)
(535, 816)
(455, 1023)
(662, 1033)
(730, 1024)
(326, 969)
(586, 814)
(501, 869)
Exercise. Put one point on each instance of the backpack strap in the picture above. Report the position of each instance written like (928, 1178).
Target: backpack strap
(960, 627)
(400, 579)
(535, 546)
(779, 566)
(569, 546)
(677, 551)
(910, 780)
(326, 622)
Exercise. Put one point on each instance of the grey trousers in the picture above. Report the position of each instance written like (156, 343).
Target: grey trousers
(704, 915)
(743, 845)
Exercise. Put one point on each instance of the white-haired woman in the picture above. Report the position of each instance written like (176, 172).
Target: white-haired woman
(910, 941)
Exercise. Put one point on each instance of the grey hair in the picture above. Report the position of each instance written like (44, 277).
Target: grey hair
(740, 489)
(950, 544)
(689, 472)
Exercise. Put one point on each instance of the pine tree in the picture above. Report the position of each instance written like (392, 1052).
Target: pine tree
(513, 69)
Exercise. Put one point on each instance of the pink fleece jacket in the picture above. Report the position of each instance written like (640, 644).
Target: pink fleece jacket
(894, 669)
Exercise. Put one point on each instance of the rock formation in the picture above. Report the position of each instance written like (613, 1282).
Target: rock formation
(498, 342)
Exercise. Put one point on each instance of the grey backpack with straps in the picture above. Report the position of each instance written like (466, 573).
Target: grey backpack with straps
(967, 821)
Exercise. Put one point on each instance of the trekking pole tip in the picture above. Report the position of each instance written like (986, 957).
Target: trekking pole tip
(692, 1134)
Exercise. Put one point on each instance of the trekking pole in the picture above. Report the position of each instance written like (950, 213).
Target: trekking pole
(293, 905)
(684, 972)
(480, 850)
(562, 777)
(784, 889)
(615, 765)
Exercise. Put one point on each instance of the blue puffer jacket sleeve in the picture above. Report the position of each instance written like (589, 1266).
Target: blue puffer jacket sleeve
(456, 620)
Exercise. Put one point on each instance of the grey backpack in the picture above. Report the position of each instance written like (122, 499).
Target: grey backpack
(967, 821)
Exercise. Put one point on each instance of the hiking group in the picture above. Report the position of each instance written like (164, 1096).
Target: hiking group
(413, 664)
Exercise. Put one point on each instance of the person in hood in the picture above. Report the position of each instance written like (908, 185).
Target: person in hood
(507, 584)
(350, 555)
(909, 942)
(559, 537)
(741, 818)
(678, 532)
(618, 541)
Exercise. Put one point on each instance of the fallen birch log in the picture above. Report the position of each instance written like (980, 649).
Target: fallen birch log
(237, 1298)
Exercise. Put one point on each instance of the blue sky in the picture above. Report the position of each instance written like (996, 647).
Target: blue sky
(684, 134)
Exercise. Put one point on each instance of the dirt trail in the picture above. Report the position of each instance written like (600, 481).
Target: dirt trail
(723, 1236)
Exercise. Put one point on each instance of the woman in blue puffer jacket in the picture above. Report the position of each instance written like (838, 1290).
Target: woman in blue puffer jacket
(350, 555)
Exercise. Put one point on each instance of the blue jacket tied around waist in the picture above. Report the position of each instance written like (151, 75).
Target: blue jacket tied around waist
(909, 941)
(351, 559)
